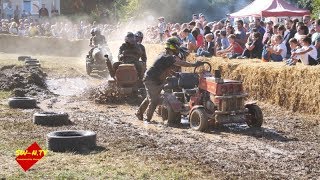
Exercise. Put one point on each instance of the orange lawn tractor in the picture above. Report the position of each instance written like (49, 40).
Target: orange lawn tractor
(207, 99)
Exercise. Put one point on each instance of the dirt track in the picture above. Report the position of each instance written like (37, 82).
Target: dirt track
(287, 147)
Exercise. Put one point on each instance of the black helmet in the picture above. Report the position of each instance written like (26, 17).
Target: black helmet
(139, 34)
(92, 32)
(183, 53)
(130, 38)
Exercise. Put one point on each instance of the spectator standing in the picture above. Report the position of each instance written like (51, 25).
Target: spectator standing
(259, 28)
(202, 19)
(240, 33)
(288, 34)
(275, 28)
(24, 14)
(281, 30)
(17, 13)
(268, 34)
(43, 12)
(161, 27)
(316, 37)
(307, 22)
(194, 17)
(302, 31)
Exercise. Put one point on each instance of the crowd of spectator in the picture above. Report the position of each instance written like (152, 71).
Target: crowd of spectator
(32, 27)
(290, 41)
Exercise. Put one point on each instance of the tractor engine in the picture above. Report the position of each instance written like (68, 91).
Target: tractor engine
(207, 103)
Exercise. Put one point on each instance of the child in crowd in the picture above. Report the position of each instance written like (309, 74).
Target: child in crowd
(166, 34)
(276, 51)
(307, 54)
(233, 50)
(190, 40)
(217, 40)
(294, 45)
(209, 50)
(199, 38)
(224, 40)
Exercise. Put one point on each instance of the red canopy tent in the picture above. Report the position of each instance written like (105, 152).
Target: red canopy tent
(270, 8)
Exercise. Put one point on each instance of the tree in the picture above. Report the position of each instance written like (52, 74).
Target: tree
(316, 8)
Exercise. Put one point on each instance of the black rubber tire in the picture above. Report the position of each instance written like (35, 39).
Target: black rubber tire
(88, 69)
(51, 119)
(71, 141)
(22, 102)
(33, 65)
(254, 118)
(173, 117)
(31, 61)
(199, 120)
(23, 58)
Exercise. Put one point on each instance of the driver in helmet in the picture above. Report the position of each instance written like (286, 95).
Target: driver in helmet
(96, 39)
(143, 63)
(130, 53)
(139, 37)
(162, 68)
(92, 35)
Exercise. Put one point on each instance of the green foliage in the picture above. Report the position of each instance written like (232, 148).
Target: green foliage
(316, 8)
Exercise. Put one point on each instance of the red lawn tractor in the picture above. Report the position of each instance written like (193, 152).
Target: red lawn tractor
(207, 99)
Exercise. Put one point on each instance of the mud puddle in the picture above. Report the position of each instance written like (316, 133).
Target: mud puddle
(67, 86)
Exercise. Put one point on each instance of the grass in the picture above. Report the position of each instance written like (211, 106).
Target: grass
(4, 95)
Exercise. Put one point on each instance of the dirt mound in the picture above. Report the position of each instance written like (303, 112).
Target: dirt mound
(109, 93)
(23, 81)
(105, 93)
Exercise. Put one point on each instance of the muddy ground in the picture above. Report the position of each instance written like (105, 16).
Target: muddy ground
(286, 147)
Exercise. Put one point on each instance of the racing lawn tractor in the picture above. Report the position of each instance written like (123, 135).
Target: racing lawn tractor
(100, 60)
(126, 79)
(207, 99)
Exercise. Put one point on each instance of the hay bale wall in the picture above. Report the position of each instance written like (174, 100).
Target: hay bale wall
(43, 45)
(297, 88)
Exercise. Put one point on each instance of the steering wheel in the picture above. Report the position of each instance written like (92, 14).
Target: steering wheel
(206, 67)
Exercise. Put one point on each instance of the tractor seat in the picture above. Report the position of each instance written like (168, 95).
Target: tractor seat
(172, 83)
(188, 80)
(191, 92)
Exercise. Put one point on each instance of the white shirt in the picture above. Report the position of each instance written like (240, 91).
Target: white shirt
(284, 49)
(162, 27)
(305, 57)
(313, 53)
